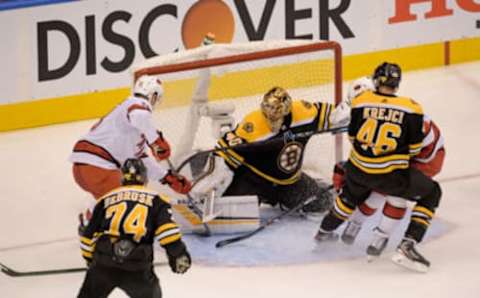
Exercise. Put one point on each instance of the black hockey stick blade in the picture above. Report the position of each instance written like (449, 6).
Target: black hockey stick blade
(270, 221)
(224, 242)
(14, 273)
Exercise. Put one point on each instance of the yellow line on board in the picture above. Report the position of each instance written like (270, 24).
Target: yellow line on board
(93, 105)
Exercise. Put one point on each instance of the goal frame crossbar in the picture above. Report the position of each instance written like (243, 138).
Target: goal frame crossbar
(260, 55)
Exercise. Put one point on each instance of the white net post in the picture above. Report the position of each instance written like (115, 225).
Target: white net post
(197, 81)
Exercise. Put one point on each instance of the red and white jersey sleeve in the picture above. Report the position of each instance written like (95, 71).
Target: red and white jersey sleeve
(121, 134)
(430, 159)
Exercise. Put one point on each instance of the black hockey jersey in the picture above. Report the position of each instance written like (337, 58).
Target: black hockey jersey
(275, 157)
(385, 131)
(132, 213)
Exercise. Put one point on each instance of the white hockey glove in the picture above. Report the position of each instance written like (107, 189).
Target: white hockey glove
(357, 87)
(217, 181)
(341, 115)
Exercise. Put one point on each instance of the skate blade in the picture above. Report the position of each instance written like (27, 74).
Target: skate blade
(347, 240)
(372, 258)
(405, 262)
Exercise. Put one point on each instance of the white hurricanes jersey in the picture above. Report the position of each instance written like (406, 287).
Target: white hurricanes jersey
(121, 134)
(432, 142)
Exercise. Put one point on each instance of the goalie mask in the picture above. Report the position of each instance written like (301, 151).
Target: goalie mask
(275, 105)
(149, 88)
(134, 172)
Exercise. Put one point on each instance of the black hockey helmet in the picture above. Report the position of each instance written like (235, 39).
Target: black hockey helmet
(387, 74)
(134, 172)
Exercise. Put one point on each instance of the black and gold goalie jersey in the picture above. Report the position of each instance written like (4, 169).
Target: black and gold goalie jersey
(385, 131)
(275, 157)
(134, 213)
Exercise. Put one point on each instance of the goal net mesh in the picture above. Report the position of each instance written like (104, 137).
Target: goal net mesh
(235, 76)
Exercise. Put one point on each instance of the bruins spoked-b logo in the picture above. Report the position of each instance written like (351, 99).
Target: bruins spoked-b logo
(289, 157)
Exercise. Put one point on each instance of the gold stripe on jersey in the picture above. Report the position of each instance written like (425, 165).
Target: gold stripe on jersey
(420, 221)
(324, 116)
(236, 160)
(369, 98)
(170, 239)
(414, 149)
(342, 211)
(87, 247)
(288, 181)
(230, 156)
(379, 165)
(228, 159)
(422, 210)
(87, 241)
(87, 255)
(165, 227)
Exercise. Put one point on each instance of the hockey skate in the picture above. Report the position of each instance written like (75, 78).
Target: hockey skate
(377, 246)
(326, 236)
(407, 256)
(350, 233)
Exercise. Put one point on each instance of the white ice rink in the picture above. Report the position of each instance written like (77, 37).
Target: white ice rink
(40, 202)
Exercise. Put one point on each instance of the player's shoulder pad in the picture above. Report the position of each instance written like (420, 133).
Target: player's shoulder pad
(253, 126)
(411, 104)
(303, 110)
(362, 97)
(138, 104)
(403, 103)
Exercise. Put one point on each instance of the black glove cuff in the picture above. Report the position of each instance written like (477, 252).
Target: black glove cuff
(175, 249)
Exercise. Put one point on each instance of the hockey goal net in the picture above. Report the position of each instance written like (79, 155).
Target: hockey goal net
(214, 81)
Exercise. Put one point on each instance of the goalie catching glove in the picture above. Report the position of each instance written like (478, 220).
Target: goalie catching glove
(177, 182)
(160, 148)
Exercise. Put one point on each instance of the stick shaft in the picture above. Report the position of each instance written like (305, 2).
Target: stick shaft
(269, 221)
(14, 273)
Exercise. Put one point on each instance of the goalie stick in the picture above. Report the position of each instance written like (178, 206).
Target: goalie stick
(193, 205)
(335, 130)
(270, 221)
(14, 273)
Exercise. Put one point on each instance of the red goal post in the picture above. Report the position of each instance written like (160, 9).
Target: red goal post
(196, 76)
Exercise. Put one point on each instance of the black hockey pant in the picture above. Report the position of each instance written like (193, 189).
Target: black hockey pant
(410, 184)
(100, 281)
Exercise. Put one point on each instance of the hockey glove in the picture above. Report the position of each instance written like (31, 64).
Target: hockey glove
(338, 175)
(180, 264)
(177, 182)
(160, 148)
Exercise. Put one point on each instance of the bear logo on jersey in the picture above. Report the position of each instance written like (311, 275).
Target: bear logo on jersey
(289, 157)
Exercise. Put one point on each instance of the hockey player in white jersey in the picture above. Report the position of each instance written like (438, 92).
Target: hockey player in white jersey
(126, 132)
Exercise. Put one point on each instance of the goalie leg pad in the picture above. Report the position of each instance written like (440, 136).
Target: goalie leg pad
(218, 180)
(234, 214)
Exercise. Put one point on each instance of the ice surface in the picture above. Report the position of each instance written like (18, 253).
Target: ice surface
(40, 202)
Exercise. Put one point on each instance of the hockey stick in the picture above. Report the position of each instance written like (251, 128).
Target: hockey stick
(192, 205)
(14, 273)
(270, 221)
(335, 130)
